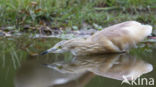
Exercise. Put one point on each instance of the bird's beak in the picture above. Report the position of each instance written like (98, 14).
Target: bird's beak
(43, 53)
(48, 51)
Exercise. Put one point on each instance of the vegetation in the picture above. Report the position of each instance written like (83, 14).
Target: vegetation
(21, 14)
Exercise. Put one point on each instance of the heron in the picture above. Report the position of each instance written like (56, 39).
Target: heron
(117, 38)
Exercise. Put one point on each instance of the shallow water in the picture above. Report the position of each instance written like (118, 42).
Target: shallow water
(18, 68)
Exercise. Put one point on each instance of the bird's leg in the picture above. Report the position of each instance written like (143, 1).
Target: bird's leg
(110, 46)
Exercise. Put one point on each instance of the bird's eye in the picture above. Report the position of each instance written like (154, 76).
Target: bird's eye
(59, 47)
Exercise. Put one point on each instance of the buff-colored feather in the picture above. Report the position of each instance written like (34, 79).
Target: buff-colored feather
(114, 39)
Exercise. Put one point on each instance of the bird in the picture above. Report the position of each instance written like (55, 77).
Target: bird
(117, 38)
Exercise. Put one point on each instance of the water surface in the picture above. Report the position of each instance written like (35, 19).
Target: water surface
(19, 67)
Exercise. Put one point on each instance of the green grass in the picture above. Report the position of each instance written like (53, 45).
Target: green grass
(68, 13)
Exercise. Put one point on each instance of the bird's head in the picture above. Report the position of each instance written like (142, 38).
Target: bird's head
(67, 45)
(57, 48)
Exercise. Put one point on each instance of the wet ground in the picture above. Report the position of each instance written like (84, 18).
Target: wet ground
(20, 67)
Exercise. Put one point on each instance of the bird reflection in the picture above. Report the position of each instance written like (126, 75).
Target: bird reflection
(79, 71)
(33, 73)
(113, 66)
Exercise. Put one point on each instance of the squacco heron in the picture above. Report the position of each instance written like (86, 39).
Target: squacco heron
(117, 38)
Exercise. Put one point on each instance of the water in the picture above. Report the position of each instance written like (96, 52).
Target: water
(18, 68)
